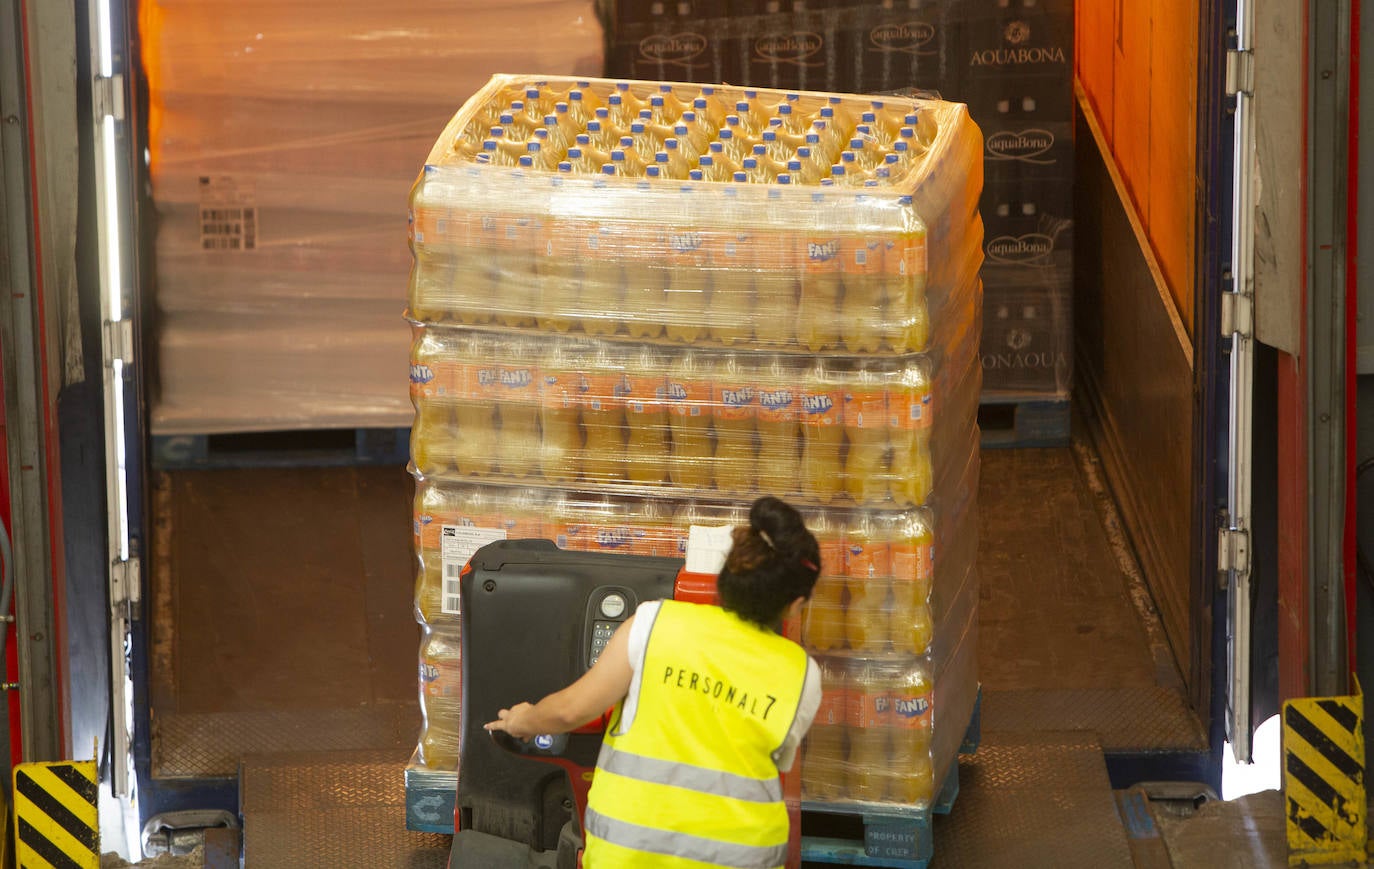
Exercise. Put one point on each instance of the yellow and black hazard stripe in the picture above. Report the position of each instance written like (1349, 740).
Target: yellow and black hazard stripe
(56, 822)
(1323, 783)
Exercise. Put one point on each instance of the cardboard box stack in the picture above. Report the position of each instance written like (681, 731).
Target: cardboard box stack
(1010, 61)
(281, 135)
(639, 305)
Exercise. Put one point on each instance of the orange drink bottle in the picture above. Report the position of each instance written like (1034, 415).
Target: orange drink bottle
(822, 425)
(824, 752)
(560, 415)
(779, 429)
(475, 382)
(518, 406)
(734, 408)
(910, 416)
(866, 431)
(868, 566)
(689, 421)
(603, 416)
(865, 308)
(646, 417)
(818, 320)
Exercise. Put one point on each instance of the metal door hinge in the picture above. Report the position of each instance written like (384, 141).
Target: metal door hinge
(124, 584)
(1237, 314)
(107, 94)
(119, 341)
(1240, 72)
(1233, 552)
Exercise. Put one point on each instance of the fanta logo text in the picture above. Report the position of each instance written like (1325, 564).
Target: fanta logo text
(677, 392)
(788, 47)
(516, 378)
(488, 377)
(613, 538)
(1017, 56)
(428, 672)
(1026, 146)
(1026, 248)
(685, 242)
(909, 36)
(911, 707)
(674, 48)
(421, 374)
(737, 397)
(817, 403)
(775, 399)
(823, 251)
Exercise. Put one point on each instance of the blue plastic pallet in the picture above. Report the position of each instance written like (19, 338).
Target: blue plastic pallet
(1024, 423)
(284, 449)
(897, 837)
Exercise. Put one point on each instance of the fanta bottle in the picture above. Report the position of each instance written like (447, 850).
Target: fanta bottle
(475, 381)
(734, 146)
(868, 566)
(823, 624)
(776, 264)
(870, 725)
(908, 326)
(866, 429)
(603, 289)
(822, 423)
(654, 532)
(689, 420)
(560, 452)
(441, 695)
(558, 266)
(517, 238)
(522, 513)
(909, 422)
(687, 252)
(432, 391)
(646, 417)
(641, 250)
(734, 407)
(913, 569)
(518, 406)
(779, 401)
(911, 778)
(603, 416)
(824, 754)
(864, 312)
(818, 320)
(435, 506)
(732, 275)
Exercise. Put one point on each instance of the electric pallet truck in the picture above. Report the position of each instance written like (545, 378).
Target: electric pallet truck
(534, 619)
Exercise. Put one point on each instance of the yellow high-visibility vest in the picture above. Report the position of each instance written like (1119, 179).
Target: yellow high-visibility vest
(691, 781)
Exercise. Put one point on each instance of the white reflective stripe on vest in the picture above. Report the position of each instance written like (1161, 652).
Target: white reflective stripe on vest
(685, 845)
(688, 776)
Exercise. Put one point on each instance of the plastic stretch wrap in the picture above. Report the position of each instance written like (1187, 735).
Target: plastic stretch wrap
(282, 136)
(877, 609)
(853, 243)
(614, 340)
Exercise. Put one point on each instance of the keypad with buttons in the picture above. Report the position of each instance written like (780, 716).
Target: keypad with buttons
(601, 635)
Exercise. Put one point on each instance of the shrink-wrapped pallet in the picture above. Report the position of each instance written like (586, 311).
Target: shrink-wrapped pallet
(281, 136)
(638, 306)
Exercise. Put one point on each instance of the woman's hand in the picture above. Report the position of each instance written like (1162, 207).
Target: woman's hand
(514, 721)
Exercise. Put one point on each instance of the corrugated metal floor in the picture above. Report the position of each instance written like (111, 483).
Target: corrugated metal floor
(1071, 658)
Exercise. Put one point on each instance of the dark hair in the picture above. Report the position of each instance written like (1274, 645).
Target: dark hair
(774, 561)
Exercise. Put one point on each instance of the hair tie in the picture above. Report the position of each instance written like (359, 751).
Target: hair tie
(806, 562)
(766, 539)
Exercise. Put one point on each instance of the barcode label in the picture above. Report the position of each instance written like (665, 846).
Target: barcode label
(458, 543)
(228, 215)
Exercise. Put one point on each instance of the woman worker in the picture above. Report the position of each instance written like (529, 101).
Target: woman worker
(711, 703)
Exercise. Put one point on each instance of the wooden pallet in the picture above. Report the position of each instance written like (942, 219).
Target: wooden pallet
(1027, 422)
(283, 449)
